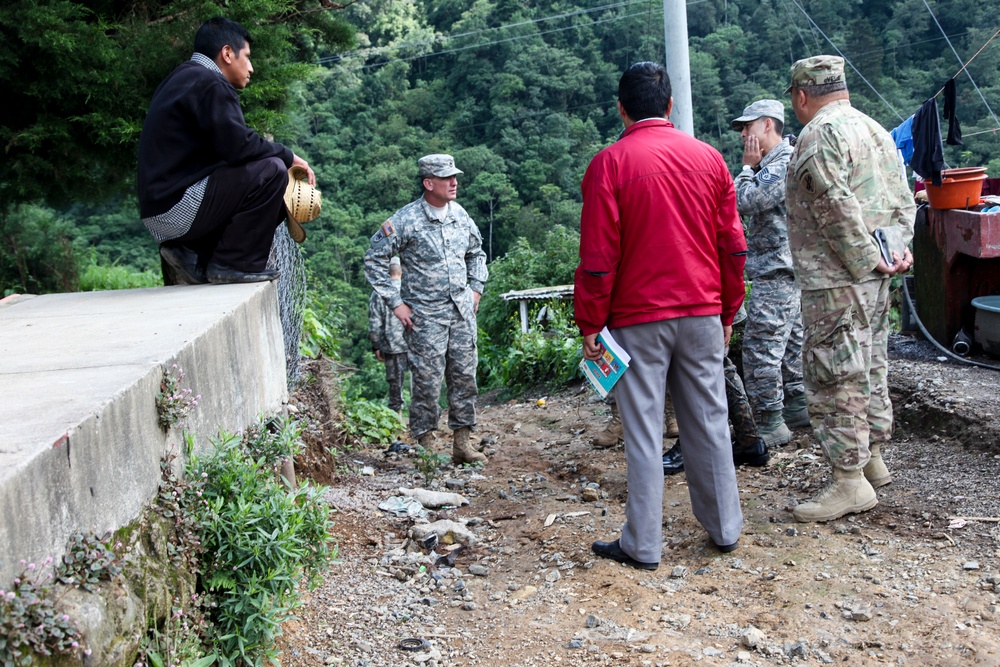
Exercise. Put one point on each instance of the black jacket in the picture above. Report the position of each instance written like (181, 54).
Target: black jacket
(194, 126)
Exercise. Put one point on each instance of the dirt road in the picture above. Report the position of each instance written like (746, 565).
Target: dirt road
(906, 583)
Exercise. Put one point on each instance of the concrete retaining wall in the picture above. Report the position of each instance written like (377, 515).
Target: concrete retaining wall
(79, 440)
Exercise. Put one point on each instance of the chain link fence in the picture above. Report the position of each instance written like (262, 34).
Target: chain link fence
(286, 256)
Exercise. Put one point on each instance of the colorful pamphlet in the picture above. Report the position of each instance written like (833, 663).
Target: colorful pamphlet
(611, 365)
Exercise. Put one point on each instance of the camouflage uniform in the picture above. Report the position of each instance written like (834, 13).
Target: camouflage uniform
(772, 342)
(443, 262)
(386, 334)
(844, 181)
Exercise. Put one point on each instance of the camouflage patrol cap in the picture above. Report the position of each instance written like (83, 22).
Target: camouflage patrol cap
(770, 108)
(439, 165)
(817, 71)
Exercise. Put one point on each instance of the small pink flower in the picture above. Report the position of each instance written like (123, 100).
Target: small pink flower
(75, 645)
(31, 566)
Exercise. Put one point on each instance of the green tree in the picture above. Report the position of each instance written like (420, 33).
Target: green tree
(491, 193)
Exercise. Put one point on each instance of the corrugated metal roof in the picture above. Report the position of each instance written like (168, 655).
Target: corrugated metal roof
(535, 293)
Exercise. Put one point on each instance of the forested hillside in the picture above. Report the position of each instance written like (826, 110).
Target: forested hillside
(523, 95)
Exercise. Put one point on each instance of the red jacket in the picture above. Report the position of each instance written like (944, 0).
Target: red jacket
(660, 236)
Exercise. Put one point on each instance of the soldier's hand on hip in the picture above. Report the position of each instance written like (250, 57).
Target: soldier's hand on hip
(404, 313)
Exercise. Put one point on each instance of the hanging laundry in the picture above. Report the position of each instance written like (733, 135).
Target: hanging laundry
(928, 153)
(903, 136)
(954, 131)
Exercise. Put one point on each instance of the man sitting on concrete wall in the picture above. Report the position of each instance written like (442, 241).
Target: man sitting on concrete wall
(210, 188)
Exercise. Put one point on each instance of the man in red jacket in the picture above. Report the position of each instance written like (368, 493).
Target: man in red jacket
(661, 265)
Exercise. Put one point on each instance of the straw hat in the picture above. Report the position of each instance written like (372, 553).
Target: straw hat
(303, 203)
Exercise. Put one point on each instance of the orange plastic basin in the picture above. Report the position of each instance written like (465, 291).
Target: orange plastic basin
(960, 188)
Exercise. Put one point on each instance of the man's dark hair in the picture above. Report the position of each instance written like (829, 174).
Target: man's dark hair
(644, 91)
(218, 32)
(779, 127)
(823, 89)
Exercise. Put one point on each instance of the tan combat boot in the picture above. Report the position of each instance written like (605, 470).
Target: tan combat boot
(462, 451)
(670, 420)
(848, 493)
(426, 441)
(773, 429)
(875, 471)
(796, 413)
(612, 433)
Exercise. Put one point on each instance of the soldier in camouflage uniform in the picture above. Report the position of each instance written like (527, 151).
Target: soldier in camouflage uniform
(845, 182)
(386, 334)
(444, 273)
(772, 342)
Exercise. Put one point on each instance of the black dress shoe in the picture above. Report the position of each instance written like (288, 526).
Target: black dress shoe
(184, 262)
(756, 455)
(673, 460)
(726, 548)
(613, 550)
(220, 275)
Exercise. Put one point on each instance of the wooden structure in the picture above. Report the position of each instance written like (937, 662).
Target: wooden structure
(956, 257)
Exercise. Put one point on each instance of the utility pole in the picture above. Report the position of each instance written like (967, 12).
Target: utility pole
(675, 33)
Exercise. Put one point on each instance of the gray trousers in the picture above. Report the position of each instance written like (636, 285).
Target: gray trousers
(684, 354)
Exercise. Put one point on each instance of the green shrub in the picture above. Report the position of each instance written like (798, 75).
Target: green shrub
(88, 561)
(549, 358)
(96, 277)
(270, 441)
(523, 267)
(317, 335)
(259, 539)
(29, 623)
(372, 423)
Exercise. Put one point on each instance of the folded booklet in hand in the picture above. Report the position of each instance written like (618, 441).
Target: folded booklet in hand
(889, 240)
(610, 366)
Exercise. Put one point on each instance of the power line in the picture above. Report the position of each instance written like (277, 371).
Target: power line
(445, 38)
(795, 24)
(839, 52)
(967, 73)
(501, 41)
(394, 47)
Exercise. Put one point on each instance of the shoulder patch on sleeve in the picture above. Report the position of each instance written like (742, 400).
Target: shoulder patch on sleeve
(811, 180)
(385, 231)
(767, 176)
